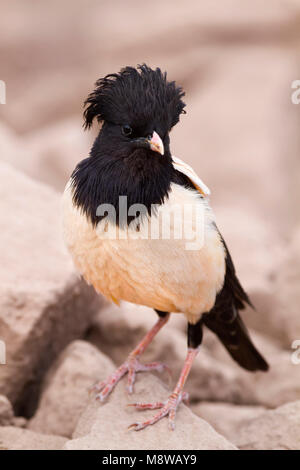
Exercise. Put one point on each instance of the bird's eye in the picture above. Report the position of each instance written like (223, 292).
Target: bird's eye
(126, 130)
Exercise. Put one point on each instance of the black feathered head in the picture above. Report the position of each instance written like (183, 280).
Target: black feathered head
(131, 155)
(135, 97)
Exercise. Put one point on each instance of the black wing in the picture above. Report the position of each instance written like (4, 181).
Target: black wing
(224, 320)
(231, 283)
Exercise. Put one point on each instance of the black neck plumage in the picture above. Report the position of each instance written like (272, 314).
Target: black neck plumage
(142, 178)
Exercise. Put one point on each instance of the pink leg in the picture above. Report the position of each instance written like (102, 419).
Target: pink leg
(132, 365)
(169, 407)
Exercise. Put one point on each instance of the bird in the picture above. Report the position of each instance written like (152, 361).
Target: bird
(138, 224)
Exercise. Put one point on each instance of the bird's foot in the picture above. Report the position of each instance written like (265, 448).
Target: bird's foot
(130, 367)
(168, 408)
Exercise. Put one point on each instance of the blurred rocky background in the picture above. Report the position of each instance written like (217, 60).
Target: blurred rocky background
(241, 134)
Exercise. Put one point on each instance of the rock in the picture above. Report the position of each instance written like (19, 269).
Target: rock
(7, 417)
(227, 419)
(280, 384)
(6, 411)
(273, 388)
(19, 422)
(273, 430)
(12, 438)
(104, 426)
(255, 428)
(264, 318)
(43, 303)
(65, 392)
(47, 154)
(10, 145)
(52, 151)
(277, 300)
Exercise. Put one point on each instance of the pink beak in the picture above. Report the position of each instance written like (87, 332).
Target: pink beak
(156, 143)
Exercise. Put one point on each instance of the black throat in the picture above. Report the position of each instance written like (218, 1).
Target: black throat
(143, 178)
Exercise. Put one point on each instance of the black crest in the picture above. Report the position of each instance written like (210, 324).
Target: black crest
(135, 96)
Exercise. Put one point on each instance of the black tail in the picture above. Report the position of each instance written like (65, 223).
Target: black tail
(236, 340)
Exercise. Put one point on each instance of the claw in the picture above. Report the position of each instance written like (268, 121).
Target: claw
(131, 366)
(99, 397)
(171, 425)
(167, 408)
(186, 398)
(97, 387)
(147, 406)
(134, 426)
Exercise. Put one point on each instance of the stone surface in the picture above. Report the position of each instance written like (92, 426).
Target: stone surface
(65, 392)
(273, 430)
(52, 156)
(44, 305)
(277, 305)
(104, 426)
(12, 438)
(280, 384)
(6, 411)
(226, 418)
(255, 428)
(47, 154)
